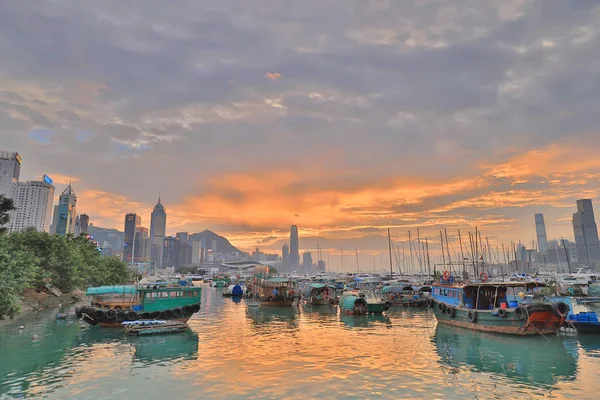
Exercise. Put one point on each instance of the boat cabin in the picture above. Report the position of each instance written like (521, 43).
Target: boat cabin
(486, 296)
(166, 298)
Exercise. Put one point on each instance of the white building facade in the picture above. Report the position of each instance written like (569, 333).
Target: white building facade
(33, 202)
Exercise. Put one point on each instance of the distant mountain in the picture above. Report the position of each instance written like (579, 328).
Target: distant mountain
(207, 237)
(113, 237)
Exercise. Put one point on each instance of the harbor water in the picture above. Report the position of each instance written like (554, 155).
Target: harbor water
(237, 352)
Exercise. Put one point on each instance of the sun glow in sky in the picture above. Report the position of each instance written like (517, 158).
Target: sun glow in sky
(345, 120)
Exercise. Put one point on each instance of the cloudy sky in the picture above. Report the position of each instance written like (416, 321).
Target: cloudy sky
(343, 117)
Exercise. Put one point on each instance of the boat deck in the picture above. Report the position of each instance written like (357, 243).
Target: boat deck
(154, 329)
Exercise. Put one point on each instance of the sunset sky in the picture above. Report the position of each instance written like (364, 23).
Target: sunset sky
(343, 117)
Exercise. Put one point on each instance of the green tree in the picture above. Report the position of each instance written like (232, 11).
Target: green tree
(6, 206)
(18, 270)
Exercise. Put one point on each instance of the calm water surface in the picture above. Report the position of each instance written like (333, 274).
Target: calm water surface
(236, 352)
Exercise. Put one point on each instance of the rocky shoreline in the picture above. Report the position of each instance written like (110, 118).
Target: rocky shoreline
(36, 300)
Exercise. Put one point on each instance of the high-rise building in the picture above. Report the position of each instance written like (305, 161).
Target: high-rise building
(586, 233)
(185, 249)
(540, 229)
(307, 261)
(285, 258)
(171, 252)
(131, 226)
(294, 256)
(141, 244)
(158, 229)
(77, 226)
(321, 266)
(33, 202)
(63, 222)
(10, 170)
(84, 220)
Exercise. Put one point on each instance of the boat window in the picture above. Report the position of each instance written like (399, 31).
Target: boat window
(164, 294)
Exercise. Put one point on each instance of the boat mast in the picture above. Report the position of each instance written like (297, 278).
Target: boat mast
(357, 266)
(443, 256)
(411, 254)
(448, 250)
(462, 254)
(342, 257)
(390, 248)
(566, 254)
(428, 261)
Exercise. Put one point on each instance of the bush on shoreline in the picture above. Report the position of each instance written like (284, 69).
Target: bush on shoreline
(30, 259)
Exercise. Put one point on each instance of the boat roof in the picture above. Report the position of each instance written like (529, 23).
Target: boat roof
(492, 284)
(121, 289)
(278, 280)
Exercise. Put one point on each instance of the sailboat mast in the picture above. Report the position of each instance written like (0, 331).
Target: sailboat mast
(357, 266)
(390, 249)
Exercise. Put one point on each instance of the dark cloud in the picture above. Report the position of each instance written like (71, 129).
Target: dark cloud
(174, 94)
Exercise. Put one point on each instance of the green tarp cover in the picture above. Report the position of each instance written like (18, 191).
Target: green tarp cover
(123, 289)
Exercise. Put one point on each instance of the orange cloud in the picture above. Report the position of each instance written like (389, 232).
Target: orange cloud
(273, 75)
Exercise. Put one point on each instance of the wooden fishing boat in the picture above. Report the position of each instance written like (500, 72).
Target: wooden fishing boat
(407, 295)
(276, 291)
(318, 294)
(143, 328)
(375, 304)
(489, 307)
(353, 304)
(110, 306)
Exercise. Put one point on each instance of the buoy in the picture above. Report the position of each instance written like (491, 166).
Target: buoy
(21, 327)
(34, 336)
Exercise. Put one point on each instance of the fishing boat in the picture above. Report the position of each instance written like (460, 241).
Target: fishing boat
(110, 306)
(317, 294)
(585, 322)
(375, 304)
(489, 307)
(353, 304)
(276, 291)
(407, 296)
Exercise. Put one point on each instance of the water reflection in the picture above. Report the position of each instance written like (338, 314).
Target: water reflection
(364, 321)
(590, 344)
(319, 310)
(150, 349)
(534, 361)
(267, 315)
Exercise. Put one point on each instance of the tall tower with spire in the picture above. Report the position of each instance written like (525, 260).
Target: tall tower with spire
(158, 229)
(65, 212)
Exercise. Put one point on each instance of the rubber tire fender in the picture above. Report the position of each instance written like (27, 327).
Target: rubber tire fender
(441, 307)
(472, 315)
(450, 311)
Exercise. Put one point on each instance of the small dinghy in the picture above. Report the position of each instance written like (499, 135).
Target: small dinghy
(154, 327)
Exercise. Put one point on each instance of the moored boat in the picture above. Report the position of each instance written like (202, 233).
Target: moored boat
(234, 291)
(489, 307)
(110, 306)
(154, 327)
(274, 291)
(318, 294)
(353, 304)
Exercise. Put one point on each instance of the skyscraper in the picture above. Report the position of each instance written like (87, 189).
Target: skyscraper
(540, 229)
(285, 257)
(586, 233)
(84, 220)
(77, 226)
(132, 224)
(294, 257)
(141, 244)
(10, 170)
(64, 213)
(307, 261)
(33, 202)
(158, 228)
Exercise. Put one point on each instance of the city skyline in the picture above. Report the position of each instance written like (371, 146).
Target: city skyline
(379, 115)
